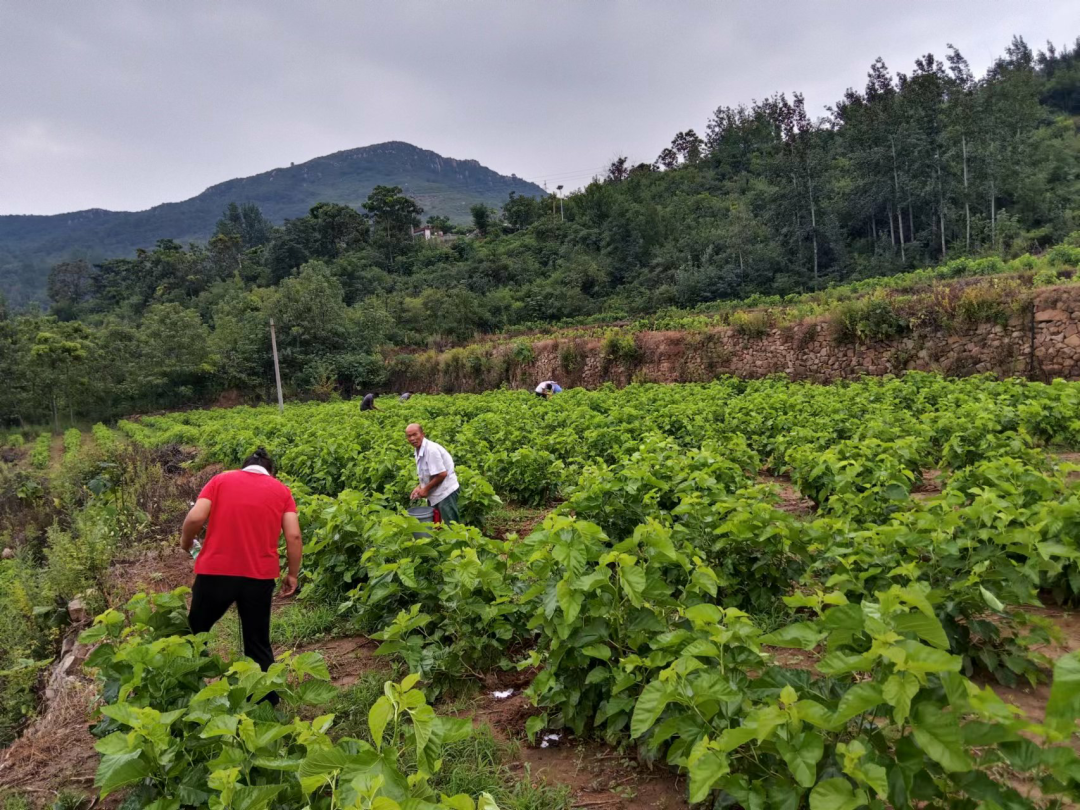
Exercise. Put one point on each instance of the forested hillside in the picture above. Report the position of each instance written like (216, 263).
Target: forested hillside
(443, 186)
(906, 170)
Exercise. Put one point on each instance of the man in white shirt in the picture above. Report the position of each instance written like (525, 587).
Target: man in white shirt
(548, 388)
(435, 469)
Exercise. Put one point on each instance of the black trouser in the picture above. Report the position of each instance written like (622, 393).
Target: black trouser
(213, 594)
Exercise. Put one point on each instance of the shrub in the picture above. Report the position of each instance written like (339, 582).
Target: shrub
(40, 455)
(571, 357)
(618, 349)
(991, 302)
(478, 362)
(751, 324)
(1064, 256)
(451, 368)
(1023, 264)
(72, 443)
(1046, 278)
(867, 319)
(522, 352)
(400, 365)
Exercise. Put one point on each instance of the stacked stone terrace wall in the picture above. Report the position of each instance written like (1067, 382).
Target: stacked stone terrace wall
(1041, 342)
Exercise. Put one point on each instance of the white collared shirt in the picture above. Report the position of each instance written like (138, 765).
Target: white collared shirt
(256, 468)
(432, 459)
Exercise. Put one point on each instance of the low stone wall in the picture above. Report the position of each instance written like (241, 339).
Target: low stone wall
(1042, 343)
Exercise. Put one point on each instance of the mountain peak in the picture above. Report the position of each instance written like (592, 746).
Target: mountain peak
(441, 185)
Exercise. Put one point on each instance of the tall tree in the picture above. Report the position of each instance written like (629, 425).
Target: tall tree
(395, 216)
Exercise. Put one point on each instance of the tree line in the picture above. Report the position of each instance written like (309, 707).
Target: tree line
(907, 170)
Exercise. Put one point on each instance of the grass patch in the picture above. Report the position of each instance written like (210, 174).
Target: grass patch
(353, 703)
(15, 801)
(470, 766)
(298, 623)
(480, 764)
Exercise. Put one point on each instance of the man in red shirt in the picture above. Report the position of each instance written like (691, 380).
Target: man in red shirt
(245, 512)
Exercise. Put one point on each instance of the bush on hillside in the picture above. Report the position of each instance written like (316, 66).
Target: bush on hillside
(867, 319)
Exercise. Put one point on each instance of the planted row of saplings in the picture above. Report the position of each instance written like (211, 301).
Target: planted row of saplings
(643, 634)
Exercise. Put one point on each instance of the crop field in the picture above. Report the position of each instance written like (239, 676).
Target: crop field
(796, 595)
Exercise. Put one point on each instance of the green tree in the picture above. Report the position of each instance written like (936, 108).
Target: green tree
(481, 217)
(174, 362)
(395, 215)
(521, 212)
(441, 223)
(245, 222)
(339, 229)
(57, 355)
(68, 287)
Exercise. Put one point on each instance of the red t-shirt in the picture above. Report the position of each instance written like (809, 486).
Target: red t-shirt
(245, 524)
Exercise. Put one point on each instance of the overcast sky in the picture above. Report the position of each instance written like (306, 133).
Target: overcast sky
(124, 104)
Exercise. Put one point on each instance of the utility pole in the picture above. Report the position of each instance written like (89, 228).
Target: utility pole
(562, 214)
(277, 368)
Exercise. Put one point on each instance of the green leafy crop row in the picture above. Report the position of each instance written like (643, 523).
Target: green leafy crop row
(651, 600)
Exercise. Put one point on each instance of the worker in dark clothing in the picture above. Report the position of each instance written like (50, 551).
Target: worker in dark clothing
(368, 403)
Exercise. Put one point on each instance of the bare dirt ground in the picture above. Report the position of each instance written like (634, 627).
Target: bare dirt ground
(929, 486)
(347, 657)
(56, 751)
(1071, 458)
(791, 500)
(597, 775)
(154, 571)
(517, 519)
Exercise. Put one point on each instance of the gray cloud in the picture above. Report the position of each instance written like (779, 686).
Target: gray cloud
(126, 103)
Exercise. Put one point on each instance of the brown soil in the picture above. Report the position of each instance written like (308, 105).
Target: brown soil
(519, 520)
(601, 776)
(57, 751)
(793, 659)
(1032, 699)
(1070, 458)
(12, 455)
(596, 774)
(791, 500)
(929, 486)
(347, 658)
(155, 571)
(56, 453)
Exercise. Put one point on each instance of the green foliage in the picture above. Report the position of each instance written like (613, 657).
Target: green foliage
(888, 715)
(926, 167)
(751, 324)
(72, 444)
(651, 601)
(990, 303)
(15, 801)
(69, 800)
(571, 357)
(522, 352)
(442, 599)
(867, 319)
(42, 451)
(618, 349)
(181, 727)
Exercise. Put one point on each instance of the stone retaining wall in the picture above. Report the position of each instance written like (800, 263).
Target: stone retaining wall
(1042, 342)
